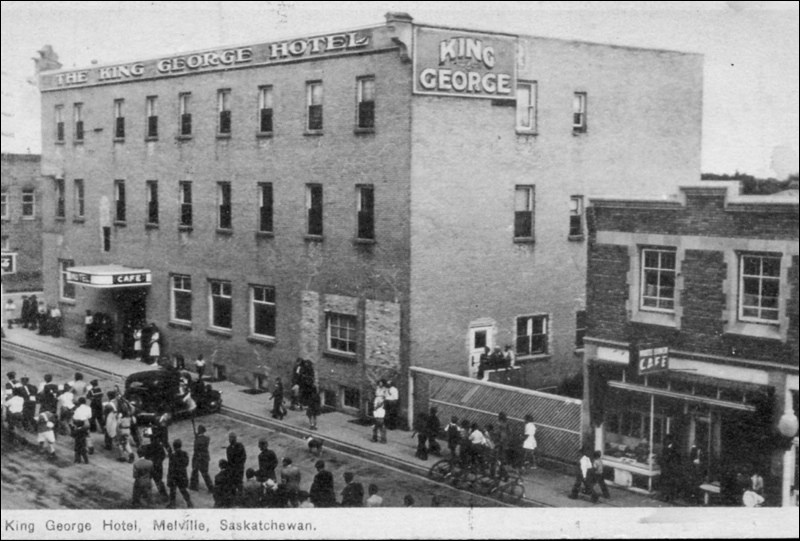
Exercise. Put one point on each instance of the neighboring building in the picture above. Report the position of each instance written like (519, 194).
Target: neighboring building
(692, 314)
(22, 220)
(390, 196)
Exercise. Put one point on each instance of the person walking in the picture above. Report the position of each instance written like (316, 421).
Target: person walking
(200, 366)
(154, 348)
(322, 493)
(110, 420)
(529, 443)
(379, 417)
(28, 393)
(584, 477)
(80, 433)
(224, 486)
(142, 481)
(66, 406)
(154, 452)
(13, 414)
(177, 479)
(201, 459)
(453, 434)
(83, 414)
(267, 462)
(94, 395)
(45, 423)
(278, 411)
(313, 407)
(237, 457)
(434, 428)
(124, 426)
(290, 476)
(597, 464)
(421, 433)
(392, 404)
(353, 492)
(48, 393)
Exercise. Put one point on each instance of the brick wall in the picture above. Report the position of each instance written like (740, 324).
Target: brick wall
(24, 234)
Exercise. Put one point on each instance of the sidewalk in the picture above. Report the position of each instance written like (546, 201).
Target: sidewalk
(340, 431)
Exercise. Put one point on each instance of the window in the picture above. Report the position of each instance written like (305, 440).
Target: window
(119, 197)
(224, 108)
(580, 328)
(523, 212)
(366, 103)
(152, 201)
(185, 198)
(262, 311)
(28, 203)
(220, 305)
(365, 196)
(576, 216)
(526, 106)
(67, 289)
(342, 333)
(152, 117)
(314, 208)
(531, 335)
(60, 204)
(314, 102)
(182, 298)
(351, 397)
(759, 288)
(185, 115)
(119, 119)
(4, 205)
(60, 123)
(265, 109)
(106, 239)
(265, 207)
(77, 112)
(80, 209)
(224, 218)
(579, 112)
(658, 280)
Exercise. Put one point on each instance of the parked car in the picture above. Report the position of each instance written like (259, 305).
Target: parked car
(176, 393)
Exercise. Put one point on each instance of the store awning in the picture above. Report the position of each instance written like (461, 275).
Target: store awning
(109, 276)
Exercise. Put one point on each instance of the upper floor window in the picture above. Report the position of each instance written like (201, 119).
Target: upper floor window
(265, 109)
(314, 209)
(366, 102)
(28, 203)
(185, 114)
(4, 205)
(342, 335)
(119, 119)
(60, 203)
(523, 212)
(224, 108)
(119, 198)
(579, 112)
(262, 311)
(77, 112)
(265, 207)
(759, 288)
(152, 116)
(314, 102)
(366, 212)
(580, 328)
(67, 288)
(185, 198)
(224, 215)
(59, 123)
(532, 335)
(658, 280)
(526, 106)
(181, 298)
(152, 201)
(80, 210)
(576, 216)
(221, 304)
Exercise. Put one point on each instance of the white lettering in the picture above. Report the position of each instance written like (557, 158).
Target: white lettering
(428, 79)
(298, 47)
(336, 42)
(459, 81)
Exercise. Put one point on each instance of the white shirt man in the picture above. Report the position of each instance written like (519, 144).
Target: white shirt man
(66, 400)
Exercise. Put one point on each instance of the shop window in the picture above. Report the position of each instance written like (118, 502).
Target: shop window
(4, 205)
(185, 114)
(77, 112)
(185, 197)
(265, 109)
(152, 117)
(658, 280)
(221, 304)
(576, 217)
(580, 328)
(341, 333)
(59, 117)
(181, 298)
(365, 202)
(532, 336)
(524, 200)
(526, 106)
(60, 196)
(759, 288)
(351, 397)
(314, 209)
(119, 119)
(262, 311)
(152, 202)
(366, 103)
(314, 106)
(119, 199)
(224, 212)
(28, 203)
(67, 288)
(579, 112)
(224, 109)
(265, 207)
(80, 202)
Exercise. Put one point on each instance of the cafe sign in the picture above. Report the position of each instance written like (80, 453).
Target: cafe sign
(653, 360)
(464, 64)
(110, 276)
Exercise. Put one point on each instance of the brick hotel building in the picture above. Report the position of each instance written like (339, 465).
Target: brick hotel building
(392, 196)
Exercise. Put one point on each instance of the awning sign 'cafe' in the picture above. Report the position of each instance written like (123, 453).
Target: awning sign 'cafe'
(107, 277)
(653, 360)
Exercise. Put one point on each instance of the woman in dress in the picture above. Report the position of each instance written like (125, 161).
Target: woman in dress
(155, 345)
(529, 444)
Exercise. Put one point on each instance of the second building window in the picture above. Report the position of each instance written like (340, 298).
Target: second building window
(221, 305)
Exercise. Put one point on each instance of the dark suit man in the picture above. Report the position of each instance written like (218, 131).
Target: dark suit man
(201, 459)
(177, 478)
(224, 486)
(237, 456)
(321, 492)
(142, 481)
(267, 462)
(353, 493)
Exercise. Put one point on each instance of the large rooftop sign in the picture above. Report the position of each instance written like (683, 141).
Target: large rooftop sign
(464, 64)
(219, 59)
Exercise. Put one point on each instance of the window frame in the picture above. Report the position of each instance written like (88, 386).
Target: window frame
(365, 108)
(266, 208)
(330, 325)
(79, 199)
(314, 111)
(365, 219)
(212, 307)
(5, 205)
(224, 114)
(268, 305)
(151, 118)
(224, 206)
(119, 119)
(175, 281)
(576, 221)
(266, 110)
(59, 118)
(530, 318)
(579, 117)
(66, 290)
(77, 114)
(120, 202)
(643, 268)
(312, 209)
(28, 193)
(530, 202)
(60, 198)
(184, 188)
(184, 116)
(531, 107)
(761, 277)
(151, 202)
(580, 328)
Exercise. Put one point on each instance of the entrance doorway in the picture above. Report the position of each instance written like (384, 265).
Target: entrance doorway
(130, 307)
(480, 337)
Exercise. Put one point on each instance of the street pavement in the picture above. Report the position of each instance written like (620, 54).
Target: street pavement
(338, 430)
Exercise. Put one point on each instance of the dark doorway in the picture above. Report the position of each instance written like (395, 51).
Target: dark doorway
(131, 311)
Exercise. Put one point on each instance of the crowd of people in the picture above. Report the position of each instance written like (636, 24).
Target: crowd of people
(496, 359)
(35, 315)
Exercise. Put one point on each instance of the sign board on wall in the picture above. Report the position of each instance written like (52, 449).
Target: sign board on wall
(464, 64)
(9, 261)
(653, 360)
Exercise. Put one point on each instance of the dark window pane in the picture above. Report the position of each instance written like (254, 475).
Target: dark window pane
(315, 117)
(224, 122)
(79, 130)
(575, 226)
(222, 312)
(59, 131)
(523, 224)
(266, 120)
(523, 345)
(186, 214)
(772, 267)
(366, 114)
(106, 239)
(265, 218)
(152, 126)
(183, 305)
(186, 124)
(119, 130)
(264, 315)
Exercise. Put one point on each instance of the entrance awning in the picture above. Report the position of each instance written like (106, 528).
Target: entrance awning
(109, 276)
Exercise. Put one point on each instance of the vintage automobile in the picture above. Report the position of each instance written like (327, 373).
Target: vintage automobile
(175, 393)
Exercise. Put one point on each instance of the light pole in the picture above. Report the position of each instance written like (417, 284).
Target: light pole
(787, 426)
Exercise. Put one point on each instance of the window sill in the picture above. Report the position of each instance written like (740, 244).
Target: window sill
(576, 238)
(267, 340)
(70, 302)
(224, 232)
(59, 142)
(223, 136)
(187, 228)
(151, 139)
(314, 238)
(120, 223)
(264, 135)
(265, 235)
(363, 131)
(579, 351)
(524, 240)
(28, 218)
(313, 132)
(119, 139)
(183, 137)
(528, 133)
(150, 226)
(61, 219)
(364, 242)
(78, 220)
(226, 333)
(186, 325)
(340, 355)
(578, 131)
(665, 319)
(766, 331)
(77, 142)
(528, 359)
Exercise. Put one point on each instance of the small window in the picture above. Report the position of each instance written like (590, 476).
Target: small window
(580, 328)
(314, 209)
(579, 112)
(265, 207)
(341, 333)
(526, 106)
(351, 397)
(262, 311)
(61, 211)
(77, 112)
(185, 114)
(365, 201)
(4, 205)
(152, 202)
(28, 203)
(224, 108)
(532, 335)
(576, 216)
(185, 197)
(106, 239)
(221, 304)
(182, 298)
(80, 208)
(119, 198)
(224, 216)
(366, 103)
(265, 109)
(658, 280)
(523, 212)
(67, 288)
(119, 119)
(59, 114)
(152, 117)
(314, 102)
(759, 288)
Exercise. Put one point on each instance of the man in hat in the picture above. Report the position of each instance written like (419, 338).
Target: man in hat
(201, 459)
(237, 456)
(29, 392)
(267, 461)
(176, 475)
(353, 493)
(321, 491)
